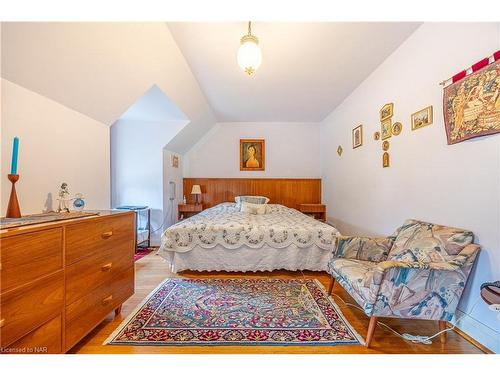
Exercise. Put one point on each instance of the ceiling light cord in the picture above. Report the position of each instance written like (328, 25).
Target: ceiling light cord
(249, 27)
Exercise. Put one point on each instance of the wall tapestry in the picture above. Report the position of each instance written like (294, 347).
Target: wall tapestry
(252, 154)
(472, 105)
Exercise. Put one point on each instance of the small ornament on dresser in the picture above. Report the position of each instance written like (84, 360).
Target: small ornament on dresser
(78, 201)
(63, 198)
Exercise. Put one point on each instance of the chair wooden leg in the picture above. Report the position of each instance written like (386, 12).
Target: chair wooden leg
(330, 286)
(371, 330)
(118, 310)
(442, 326)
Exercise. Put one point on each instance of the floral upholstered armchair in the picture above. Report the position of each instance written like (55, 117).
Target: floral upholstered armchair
(419, 272)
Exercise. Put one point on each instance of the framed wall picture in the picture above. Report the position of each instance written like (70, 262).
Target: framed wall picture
(175, 161)
(386, 111)
(252, 154)
(385, 160)
(386, 129)
(397, 127)
(357, 136)
(421, 118)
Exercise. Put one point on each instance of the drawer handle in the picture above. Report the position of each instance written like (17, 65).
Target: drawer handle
(107, 300)
(107, 234)
(2, 323)
(106, 267)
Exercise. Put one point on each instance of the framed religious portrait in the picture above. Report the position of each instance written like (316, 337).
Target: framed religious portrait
(386, 129)
(357, 136)
(386, 111)
(421, 118)
(252, 154)
(385, 160)
(397, 127)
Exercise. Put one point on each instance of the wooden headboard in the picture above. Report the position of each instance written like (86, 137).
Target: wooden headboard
(289, 192)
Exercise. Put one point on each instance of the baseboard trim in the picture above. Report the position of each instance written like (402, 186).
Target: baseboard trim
(473, 341)
(476, 332)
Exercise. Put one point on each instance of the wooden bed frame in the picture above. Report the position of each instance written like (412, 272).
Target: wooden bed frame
(289, 192)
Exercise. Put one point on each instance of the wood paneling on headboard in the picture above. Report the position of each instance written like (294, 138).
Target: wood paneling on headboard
(289, 192)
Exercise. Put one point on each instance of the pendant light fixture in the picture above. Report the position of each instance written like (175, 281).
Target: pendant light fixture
(249, 54)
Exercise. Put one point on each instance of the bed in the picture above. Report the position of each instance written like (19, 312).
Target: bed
(222, 238)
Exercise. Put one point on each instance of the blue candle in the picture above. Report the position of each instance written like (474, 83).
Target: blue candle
(15, 153)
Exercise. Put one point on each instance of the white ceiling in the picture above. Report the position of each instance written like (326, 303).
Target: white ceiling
(154, 106)
(307, 68)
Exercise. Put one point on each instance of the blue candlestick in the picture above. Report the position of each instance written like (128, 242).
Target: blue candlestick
(15, 153)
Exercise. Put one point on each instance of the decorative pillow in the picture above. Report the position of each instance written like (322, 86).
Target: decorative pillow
(255, 199)
(418, 241)
(252, 208)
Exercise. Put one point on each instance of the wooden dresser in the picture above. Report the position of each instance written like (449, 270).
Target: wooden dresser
(59, 280)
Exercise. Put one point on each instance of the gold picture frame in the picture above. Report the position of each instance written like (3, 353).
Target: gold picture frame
(386, 111)
(386, 163)
(357, 136)
(252, 155)
(397, 128)
(421, 118)
(386, 129)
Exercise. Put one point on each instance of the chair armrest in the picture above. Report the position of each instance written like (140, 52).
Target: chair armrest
(465, 257)
(422, 290)
(363, 248)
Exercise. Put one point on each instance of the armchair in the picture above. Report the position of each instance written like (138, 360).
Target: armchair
(419, 272)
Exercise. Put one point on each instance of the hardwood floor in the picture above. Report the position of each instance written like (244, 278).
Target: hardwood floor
(151, 270)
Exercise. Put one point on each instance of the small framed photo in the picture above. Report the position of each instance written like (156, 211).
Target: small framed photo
(386, 129)
(386, 111)
(252, 154)
(397, 127)
(357, 136)
(421, 118)
(385, 160)
(175, 161)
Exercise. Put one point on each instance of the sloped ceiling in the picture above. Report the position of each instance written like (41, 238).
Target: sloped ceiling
(307, 68)
(100, 69)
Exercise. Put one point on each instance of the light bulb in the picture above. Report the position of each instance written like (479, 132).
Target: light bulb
(249, 54)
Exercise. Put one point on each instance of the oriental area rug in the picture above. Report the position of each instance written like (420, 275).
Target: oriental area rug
(253, 311)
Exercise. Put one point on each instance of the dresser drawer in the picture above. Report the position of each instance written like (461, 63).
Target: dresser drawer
(26, 308)
(87, 312)
(29, 256)
(87, 274)
(92, 236)
(45, 339)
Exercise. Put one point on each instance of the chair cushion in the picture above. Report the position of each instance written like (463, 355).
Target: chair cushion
(356, 276)
(418, 241)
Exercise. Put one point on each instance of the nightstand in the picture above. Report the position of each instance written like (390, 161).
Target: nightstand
(317, 210)
(188, 209)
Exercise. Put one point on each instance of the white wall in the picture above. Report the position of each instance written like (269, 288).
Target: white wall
(57, 144)
(137, 165)
(291, 150)
(455, 185)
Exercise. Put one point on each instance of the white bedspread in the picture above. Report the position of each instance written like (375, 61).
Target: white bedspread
(225, 225)
(223, 238)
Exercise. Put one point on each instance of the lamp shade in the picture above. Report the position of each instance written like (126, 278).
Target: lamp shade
(196, 189)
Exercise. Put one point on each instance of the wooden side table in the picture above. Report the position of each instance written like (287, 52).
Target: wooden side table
(188, 210)
(314, 209)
